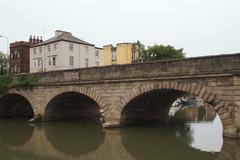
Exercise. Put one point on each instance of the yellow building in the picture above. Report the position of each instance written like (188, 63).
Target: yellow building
(123, 53)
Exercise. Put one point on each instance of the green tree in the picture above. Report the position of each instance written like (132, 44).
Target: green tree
(142, 51)
(4, 64)
(159, 52)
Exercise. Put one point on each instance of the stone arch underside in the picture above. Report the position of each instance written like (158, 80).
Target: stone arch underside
(73, 102)
(16, 104)
(149, 107)
(224, 109)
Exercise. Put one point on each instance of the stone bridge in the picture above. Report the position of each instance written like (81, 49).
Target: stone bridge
(131, 94)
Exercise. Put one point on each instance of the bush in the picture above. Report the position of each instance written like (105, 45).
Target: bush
(5, 82)
(24, 80)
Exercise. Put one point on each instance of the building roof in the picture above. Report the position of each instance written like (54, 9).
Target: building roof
(63, 36)
(20, 43)
(99, 48)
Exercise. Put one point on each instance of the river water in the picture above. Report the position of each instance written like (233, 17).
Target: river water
(75, 139)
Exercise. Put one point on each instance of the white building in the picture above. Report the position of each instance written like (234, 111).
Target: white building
(64, 51)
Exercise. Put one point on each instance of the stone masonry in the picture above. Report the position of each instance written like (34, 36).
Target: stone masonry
(216, 79)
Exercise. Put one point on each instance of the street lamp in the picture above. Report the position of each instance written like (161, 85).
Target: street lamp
(7, 42)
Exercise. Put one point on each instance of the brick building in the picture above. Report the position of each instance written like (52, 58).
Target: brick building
(19, 55)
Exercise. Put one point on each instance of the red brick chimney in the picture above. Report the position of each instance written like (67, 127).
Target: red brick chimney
(37, 39)
(30, 39)
(41, 39)
(34, 39)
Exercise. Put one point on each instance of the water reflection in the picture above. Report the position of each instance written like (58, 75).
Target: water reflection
(155, 142)
(207, 135)
(73, 140)
(15, 134)
(67, 138)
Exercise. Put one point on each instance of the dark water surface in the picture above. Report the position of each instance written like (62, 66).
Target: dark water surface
(73, 140)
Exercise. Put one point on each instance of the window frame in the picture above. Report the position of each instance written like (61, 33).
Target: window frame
(86, 62)
(71, 60)
(54, 61)
(71, 47)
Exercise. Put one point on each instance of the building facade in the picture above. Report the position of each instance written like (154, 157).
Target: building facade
(64, 51)
(4, 64)
(123, 53)
(19, 55)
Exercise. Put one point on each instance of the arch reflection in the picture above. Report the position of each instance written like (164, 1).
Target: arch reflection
(147, 142)
(151, 142)
(73, 137)
(15, 133)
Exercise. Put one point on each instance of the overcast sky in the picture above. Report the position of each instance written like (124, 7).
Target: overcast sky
(201, 27)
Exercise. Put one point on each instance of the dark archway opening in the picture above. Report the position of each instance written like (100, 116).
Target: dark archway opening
(150, 107)
(15, 106)
(153, 108)
(72, 105)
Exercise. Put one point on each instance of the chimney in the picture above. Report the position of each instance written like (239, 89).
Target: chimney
(34, 39)
(37, 39)
(30, 39)
(41, 39)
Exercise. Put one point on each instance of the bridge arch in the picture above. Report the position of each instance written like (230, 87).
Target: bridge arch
(78, 97)
(17, 104)
(224, 109)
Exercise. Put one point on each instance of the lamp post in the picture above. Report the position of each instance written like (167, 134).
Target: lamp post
(7, 42)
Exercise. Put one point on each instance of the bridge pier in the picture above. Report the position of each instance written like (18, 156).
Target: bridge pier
(112, 119)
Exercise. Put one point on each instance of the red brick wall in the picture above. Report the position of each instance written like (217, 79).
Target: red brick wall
(23, 61)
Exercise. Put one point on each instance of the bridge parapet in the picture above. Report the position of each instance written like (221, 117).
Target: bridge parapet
(199, 66)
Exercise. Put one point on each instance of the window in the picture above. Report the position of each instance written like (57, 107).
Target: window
(96, 53)
(15, 68)
(34, 51)
(49, 48)
(86, 62)
(11, 55)
(71, 46)
(39, 63)
(114, 55)
(71, 60)
(40, 49)
(55, 46)
(34, 63)
(49, 61)
(18, 54)
(97, 63)
(134, 56)
(15, 54)
(53, 61)
(86, 47)
(18, 69)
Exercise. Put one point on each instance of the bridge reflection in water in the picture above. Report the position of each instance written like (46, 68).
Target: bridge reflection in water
(73, 140)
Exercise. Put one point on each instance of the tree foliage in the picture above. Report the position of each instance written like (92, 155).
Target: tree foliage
(159, 52)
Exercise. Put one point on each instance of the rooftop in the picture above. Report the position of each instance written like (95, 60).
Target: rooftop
(63, 36)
